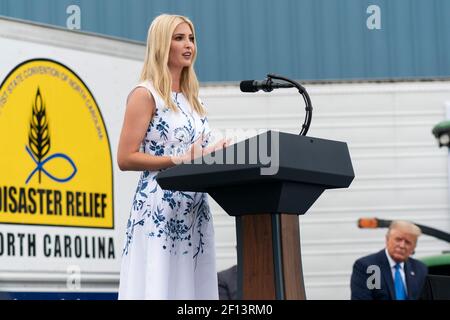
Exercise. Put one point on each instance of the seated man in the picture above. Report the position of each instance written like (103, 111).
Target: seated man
(391, 274)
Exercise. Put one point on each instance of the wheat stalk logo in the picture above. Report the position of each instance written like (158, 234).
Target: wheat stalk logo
(39, 142)
(39, 135)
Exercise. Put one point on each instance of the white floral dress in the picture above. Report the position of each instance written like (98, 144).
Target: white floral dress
(169, 248)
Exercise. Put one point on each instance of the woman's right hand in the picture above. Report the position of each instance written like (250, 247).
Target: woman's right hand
(194, 151)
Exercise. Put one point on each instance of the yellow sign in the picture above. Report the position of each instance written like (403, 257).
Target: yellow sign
(55, 157)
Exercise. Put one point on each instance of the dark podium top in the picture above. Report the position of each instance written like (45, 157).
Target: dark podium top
(271, 172)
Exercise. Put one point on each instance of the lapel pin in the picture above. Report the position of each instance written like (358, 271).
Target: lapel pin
(412, 273)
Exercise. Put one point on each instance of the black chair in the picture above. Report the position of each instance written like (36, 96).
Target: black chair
(436, 287)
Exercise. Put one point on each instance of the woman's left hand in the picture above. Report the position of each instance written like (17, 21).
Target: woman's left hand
(221, 144)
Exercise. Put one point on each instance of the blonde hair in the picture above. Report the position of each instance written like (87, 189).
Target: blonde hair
(406, 226)
(156, 60)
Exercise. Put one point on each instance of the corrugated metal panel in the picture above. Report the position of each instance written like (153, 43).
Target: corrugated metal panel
(302, 39)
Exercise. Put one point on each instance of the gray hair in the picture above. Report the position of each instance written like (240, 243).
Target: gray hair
(406, 226)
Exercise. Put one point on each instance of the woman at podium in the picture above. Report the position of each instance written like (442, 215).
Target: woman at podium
(169, 245)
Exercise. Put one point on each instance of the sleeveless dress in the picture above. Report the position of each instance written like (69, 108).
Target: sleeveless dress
(169, 250)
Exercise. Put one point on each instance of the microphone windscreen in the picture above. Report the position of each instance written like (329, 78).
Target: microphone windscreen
(248, 86)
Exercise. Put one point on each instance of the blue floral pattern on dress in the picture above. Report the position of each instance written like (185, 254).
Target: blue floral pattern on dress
(177, 220)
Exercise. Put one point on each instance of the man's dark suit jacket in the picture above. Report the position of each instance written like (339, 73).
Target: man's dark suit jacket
(228, 283)
(415, 273)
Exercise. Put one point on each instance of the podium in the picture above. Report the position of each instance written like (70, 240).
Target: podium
(265, 182)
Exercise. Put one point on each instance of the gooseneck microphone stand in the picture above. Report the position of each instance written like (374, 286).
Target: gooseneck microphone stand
(305, 95)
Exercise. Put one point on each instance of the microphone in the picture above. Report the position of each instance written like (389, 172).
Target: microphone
(269, 84)
(265, 85)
